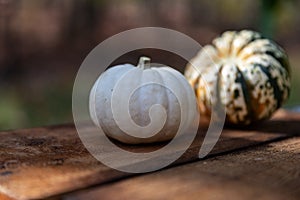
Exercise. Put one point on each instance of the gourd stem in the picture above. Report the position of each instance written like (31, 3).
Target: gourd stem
(144, 62)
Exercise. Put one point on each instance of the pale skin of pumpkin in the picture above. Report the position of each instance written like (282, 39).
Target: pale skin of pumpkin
(245, 72)
(164, 124)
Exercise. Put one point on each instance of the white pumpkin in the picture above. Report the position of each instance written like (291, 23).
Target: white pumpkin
(246, 72)
(141, 104)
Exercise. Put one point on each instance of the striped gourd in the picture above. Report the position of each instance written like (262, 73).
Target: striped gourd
(246, 72)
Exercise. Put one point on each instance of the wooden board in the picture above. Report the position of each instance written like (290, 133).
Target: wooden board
(266, 172)
(49, 161)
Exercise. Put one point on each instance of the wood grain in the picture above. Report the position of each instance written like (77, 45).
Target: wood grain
(48, 161)
(266, 172)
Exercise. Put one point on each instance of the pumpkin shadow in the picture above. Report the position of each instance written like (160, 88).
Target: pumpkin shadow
(275, 126)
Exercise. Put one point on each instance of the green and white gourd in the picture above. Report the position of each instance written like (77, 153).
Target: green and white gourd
(246, 72)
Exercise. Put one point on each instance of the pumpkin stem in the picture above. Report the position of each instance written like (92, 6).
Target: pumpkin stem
(144, 62)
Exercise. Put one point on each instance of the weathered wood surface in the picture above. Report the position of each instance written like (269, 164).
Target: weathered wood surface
(49, 161)
(270, 171)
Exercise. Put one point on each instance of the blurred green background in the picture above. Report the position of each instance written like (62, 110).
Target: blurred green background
(43, 42)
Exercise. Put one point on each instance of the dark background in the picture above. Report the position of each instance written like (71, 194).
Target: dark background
(43, 42)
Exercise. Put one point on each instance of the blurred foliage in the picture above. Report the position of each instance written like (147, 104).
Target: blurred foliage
(12, 114)
(17, 110)
(42, 43)
(269, 9)
(294, 99)
(275, 12)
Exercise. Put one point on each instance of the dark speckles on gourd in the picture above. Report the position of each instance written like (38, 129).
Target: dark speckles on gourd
(253, 76)
(236, 93)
